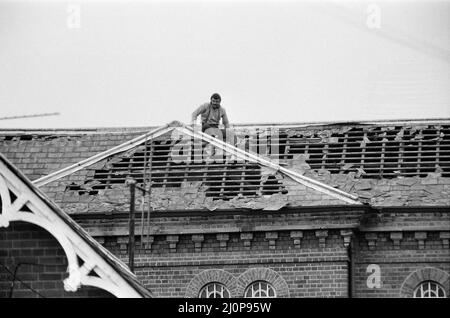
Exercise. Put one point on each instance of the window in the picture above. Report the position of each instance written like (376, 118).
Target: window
(429, 289)
(260, 289)
(214, 290)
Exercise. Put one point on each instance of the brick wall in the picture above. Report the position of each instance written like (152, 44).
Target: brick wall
(300, 263)
(317, 267)
(312, 261)
(39, 264)
(398, 256)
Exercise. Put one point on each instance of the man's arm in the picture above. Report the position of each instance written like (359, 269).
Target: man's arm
(197, 112)
(225, 121)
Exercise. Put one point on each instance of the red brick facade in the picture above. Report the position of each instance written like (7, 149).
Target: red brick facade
(398, 260)
(302, 270)
(304, 263)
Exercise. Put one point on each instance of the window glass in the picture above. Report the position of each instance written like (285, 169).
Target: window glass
(429, 289)
(214, 290)
(260, 289)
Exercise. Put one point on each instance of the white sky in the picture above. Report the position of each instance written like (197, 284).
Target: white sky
(146, 63)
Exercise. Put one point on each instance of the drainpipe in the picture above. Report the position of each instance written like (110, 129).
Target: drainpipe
(132, 184)
(348, 244)
(350, 271)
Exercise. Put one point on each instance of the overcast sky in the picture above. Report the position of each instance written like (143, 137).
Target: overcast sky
(146, 63)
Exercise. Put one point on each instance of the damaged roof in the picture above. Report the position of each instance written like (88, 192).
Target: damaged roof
(382, 164)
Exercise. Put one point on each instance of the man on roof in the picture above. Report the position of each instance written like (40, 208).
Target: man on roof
(211, 114)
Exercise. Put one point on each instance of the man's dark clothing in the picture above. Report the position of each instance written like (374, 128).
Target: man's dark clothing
(211, 116)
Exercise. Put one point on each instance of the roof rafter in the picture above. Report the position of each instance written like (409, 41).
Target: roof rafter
(102, 155)
(242, 154)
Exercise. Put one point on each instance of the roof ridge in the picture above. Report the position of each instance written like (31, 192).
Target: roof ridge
(348, 122)
(136, 129)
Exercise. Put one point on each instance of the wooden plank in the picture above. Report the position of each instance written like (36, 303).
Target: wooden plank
(98, 157)
(383, 152)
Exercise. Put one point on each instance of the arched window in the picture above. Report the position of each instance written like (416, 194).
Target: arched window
(260, 289)
(214, 290)
(429, 289)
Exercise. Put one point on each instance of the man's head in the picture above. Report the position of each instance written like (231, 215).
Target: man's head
(215, 100)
